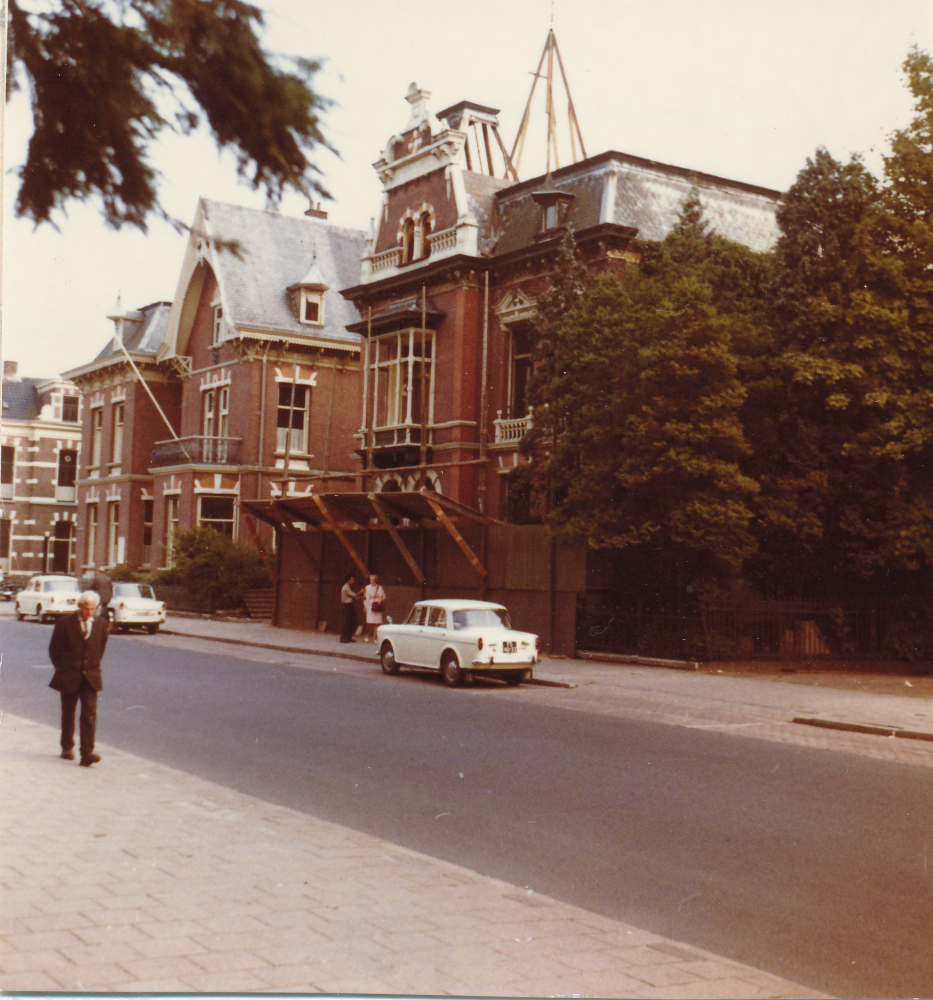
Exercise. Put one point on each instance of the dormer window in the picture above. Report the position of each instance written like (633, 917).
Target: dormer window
(312, 307)
(308, 297)
(554, 205)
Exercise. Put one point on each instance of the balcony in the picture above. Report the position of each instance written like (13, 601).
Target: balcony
(197, 451)
(512, 431)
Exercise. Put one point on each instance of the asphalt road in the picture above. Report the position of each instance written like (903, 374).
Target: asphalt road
(809, 864)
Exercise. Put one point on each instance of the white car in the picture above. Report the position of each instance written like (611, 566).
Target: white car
(135, 604)
(461, 639)
(48, 597)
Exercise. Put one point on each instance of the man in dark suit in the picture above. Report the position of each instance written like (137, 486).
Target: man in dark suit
(77, 647)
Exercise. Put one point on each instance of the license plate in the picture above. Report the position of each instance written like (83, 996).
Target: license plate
(509, 647)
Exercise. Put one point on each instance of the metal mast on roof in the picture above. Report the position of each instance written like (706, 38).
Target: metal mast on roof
(576, 136)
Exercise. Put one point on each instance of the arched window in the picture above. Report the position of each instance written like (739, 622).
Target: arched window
(424, 232)
(408, 241)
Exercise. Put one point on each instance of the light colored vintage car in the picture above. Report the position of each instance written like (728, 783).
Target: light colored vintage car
(48, 597)
(461, 639)
(135, 604)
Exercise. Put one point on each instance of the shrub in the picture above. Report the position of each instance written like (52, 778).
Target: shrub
(215, 569)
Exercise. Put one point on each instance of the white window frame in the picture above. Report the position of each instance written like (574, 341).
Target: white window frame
(93, 523)
(217, 319)
(171, 528)
(119, 419)
(299, 435)
(316, 298)
(391, 378)
(218, 496)
(97, 436)
(113, 533)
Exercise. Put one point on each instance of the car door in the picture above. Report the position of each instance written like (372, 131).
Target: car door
(433, 638)
(405, 640)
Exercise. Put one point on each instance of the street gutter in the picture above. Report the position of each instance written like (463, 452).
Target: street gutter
(855, 727)
(336, 654)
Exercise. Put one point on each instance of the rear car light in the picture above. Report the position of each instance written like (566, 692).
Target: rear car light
(537, 642)
(479, 643)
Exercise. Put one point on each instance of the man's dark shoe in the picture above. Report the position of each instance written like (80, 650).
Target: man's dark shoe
(91, 758)
(68, 754)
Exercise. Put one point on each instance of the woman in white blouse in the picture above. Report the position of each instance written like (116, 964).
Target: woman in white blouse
(374, 603)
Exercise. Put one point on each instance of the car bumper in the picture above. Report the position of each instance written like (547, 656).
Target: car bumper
(139, 617)
(492, 663)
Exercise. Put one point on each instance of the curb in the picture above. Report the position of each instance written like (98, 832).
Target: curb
(644, 661)
(540, 682)
(854, 727)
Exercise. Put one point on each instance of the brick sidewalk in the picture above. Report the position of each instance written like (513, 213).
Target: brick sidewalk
(133, 877)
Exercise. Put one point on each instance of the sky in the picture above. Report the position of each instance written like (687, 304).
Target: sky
(744, 89)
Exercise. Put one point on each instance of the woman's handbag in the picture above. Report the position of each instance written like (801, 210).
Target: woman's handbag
(379, 606)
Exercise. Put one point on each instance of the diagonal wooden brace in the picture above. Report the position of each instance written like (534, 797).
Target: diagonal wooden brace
(380, 510)
(344, 541)
(299, 536)
(456, 536)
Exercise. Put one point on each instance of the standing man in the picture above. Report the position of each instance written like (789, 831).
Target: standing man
(104, 589)
(348, 607)
(77, 647)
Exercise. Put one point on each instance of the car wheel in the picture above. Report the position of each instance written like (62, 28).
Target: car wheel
(513, 678)
(41, 615)
(450, 670)
(152, 629)
(387, 658)
(20, 617)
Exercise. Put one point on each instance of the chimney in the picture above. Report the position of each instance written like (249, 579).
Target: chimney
(316, 213)
(9, 371)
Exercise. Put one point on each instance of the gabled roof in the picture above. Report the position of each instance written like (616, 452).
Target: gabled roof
(143, 331)
(260, 254)
(21, 400)
(631, 191)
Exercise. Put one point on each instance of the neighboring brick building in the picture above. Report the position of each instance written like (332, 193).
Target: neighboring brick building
(254, 369)
(40, 436)
(120, 428)
(457, 260)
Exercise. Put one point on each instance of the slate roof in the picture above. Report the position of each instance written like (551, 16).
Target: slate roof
(648, 197)
(143, 331)
(261, 253)
(21, 400)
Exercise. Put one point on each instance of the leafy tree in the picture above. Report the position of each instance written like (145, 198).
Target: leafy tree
(837, 430)
(215, 569)
(643, 397)
(95, 70)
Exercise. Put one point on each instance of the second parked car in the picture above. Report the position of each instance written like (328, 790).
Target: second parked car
(48, 597)
(135, 604)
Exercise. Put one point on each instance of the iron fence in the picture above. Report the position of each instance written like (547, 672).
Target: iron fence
(724, 630)
(197, 451)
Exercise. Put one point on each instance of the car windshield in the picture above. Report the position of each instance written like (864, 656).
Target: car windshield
(482, 618)
(133, 590)
(69, 585)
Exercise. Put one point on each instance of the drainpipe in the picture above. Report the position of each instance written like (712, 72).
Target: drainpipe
(484, 399)
(424, 399)
(262, 422)
(330, 420)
